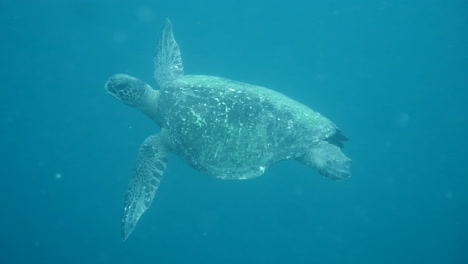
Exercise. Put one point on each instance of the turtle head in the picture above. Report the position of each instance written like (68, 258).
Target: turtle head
(127, 89)
(133, 92)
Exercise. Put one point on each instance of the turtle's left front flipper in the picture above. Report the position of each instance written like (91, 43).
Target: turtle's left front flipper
(149, 169)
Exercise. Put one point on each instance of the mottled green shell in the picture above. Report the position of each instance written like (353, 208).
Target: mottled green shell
(234, 130)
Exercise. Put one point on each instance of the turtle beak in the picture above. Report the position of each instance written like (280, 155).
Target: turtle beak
(113, 87)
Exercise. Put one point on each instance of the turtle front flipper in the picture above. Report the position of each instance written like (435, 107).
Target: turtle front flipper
(149, 169)
(328, 160)
(168, 61)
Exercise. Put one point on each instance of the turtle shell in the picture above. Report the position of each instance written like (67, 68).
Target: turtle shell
(234, 130)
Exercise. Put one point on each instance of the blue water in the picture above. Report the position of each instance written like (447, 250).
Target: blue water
(391, 74)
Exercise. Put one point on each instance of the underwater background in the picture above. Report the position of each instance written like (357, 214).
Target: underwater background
(391, 74)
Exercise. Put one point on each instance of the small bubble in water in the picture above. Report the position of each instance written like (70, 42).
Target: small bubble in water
(402, 120)
(448, 195)
(58, 175)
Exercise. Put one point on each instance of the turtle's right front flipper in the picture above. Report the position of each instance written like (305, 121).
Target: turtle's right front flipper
(149, 169)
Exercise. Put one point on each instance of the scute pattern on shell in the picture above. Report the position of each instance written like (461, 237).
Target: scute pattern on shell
(234, 130)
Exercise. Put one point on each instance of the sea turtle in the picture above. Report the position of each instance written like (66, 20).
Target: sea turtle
(223, 128)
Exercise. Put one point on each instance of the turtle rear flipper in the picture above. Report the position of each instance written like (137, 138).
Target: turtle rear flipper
(328, 160)
(150, 166)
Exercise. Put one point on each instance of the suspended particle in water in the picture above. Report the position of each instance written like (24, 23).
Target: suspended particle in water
(402, 120)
